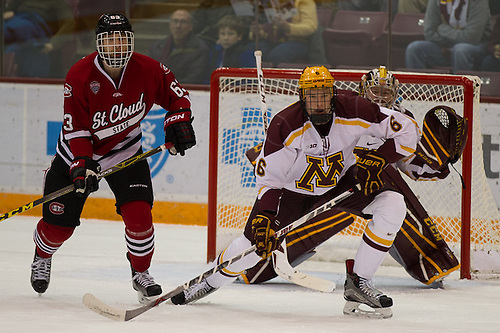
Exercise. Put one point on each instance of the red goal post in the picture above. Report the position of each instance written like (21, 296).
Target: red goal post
(236, 125)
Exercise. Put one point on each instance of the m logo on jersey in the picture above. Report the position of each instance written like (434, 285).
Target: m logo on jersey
(315, 172)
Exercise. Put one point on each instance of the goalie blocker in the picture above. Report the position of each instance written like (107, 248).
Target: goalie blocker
(419, 247)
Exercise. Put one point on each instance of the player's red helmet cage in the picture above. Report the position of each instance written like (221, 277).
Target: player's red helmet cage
(317, 93)
(114, 40)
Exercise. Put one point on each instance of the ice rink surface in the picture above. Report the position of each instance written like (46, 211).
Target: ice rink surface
(93, 260)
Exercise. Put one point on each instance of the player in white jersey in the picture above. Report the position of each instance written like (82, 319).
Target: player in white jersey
(424, 254)
(106, 96)
(308, 158)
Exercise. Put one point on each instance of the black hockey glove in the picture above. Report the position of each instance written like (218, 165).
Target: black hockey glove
(179, 131)
(370, 166)
(83, 172)
(263, 235)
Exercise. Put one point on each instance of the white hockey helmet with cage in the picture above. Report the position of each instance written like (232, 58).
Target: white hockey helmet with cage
(114, 40)
(379, 86)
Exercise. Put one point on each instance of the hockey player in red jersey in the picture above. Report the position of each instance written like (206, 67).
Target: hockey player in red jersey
(308, 158)
(106, 96)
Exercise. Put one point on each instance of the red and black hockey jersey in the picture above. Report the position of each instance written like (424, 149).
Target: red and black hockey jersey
(108, 113)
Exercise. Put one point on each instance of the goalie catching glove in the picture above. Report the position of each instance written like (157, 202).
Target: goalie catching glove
(370, 166)
(444, 136)
(179, 130)
(83, 172)
(263, 235)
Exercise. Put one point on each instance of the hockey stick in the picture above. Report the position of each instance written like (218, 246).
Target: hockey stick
(106, 310)
(102, 174)
(254, 152)
(262, 92)
(283, 268)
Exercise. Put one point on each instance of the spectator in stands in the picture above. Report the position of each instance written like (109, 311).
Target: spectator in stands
(495, 7)
(35, 31)
(456, 34)
(491, 63)
(365, 5)
(206, 17)
(412, 6)
(230, 50)
(286, 41)
(184, 53)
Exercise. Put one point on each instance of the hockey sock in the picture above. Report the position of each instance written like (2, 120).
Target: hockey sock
(229, 273)
(139, 233)
(367, 260)
(48, 238)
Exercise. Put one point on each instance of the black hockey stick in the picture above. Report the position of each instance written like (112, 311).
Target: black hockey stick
(106, 310)
(102, 174)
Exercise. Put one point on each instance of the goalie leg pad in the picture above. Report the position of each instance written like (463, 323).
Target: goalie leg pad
(419, 247)
(418, 252)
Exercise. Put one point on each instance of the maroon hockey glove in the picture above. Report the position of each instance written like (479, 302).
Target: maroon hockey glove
(263, 235)
(83, 172)
(444, 135)
(179, 131)
(370, 166)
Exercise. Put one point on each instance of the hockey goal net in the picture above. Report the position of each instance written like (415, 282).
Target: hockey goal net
(467, 217)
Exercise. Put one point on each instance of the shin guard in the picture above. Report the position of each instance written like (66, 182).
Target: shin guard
(139, 233)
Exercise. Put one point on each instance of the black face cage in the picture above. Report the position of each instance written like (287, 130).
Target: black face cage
(115, 47)
(323, 118)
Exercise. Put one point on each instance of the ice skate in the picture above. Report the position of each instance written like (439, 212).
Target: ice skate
(40, 273)
(147, 289)
(359, 291)
(193, 293)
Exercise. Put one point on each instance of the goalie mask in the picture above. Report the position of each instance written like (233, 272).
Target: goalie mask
(317, 94)
(379, 86)
(444, 136)
(114, 40)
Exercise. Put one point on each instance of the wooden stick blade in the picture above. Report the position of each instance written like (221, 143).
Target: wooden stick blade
(283, 268)
(103, 309)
